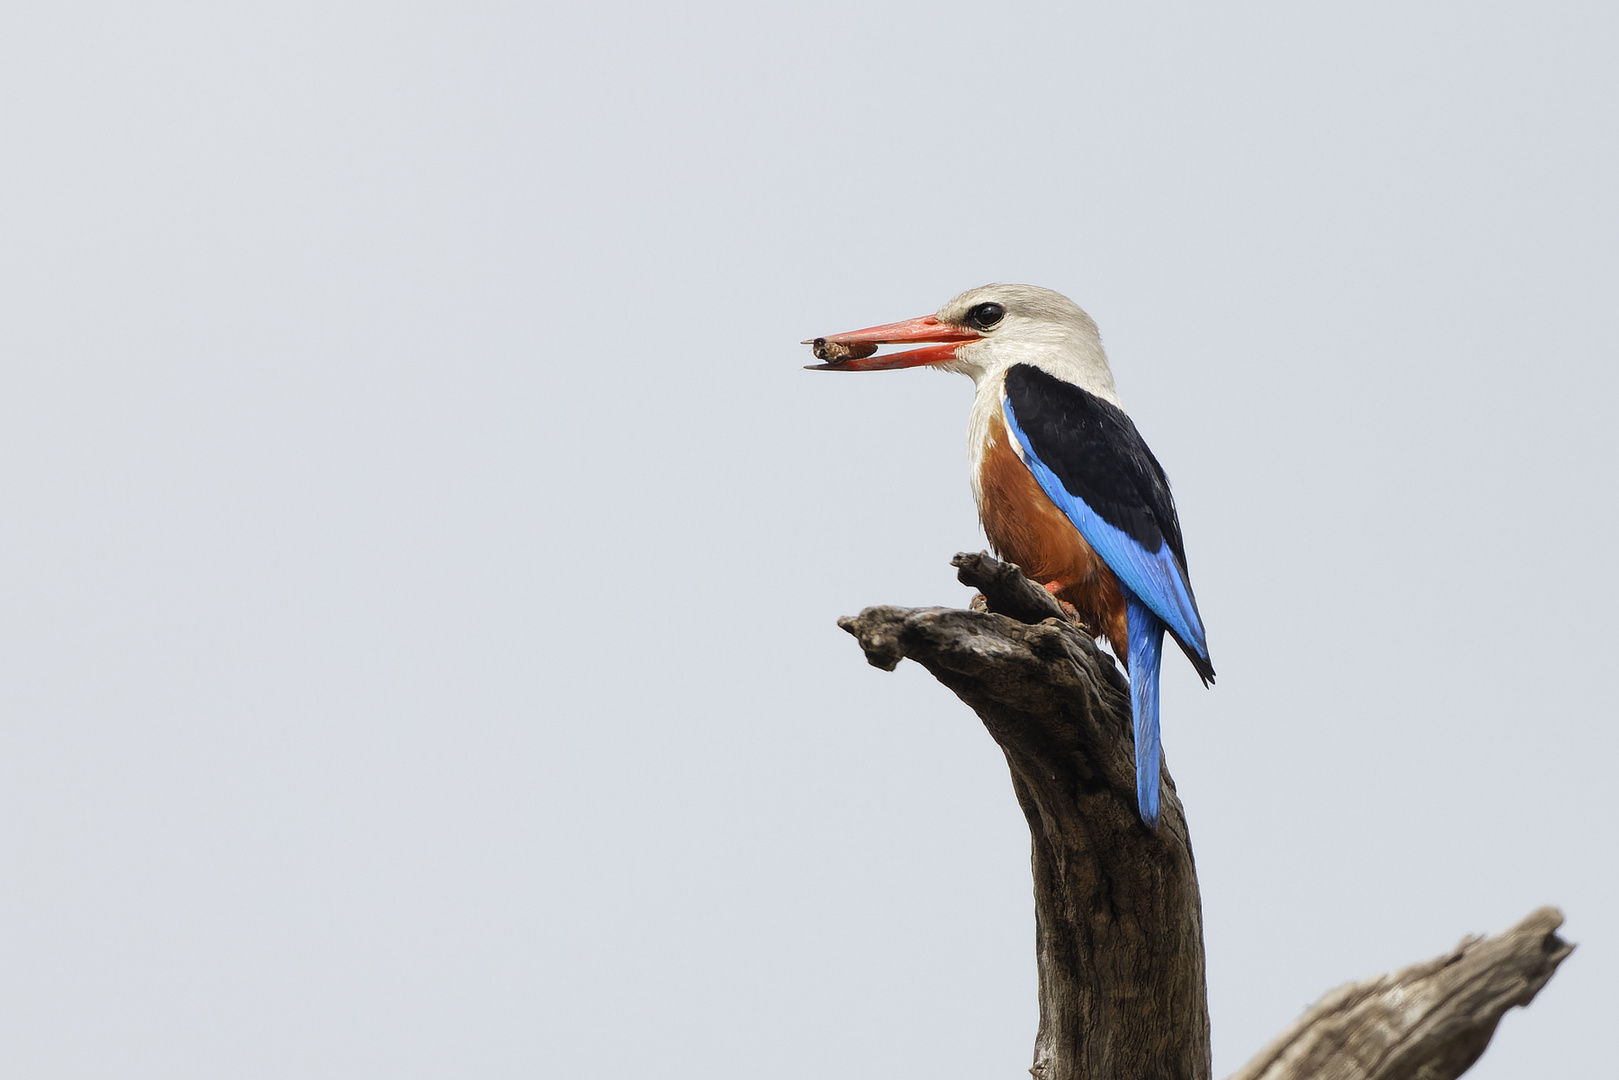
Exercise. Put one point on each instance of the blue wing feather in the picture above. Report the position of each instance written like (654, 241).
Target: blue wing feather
(1154, 577)
(1146, 653)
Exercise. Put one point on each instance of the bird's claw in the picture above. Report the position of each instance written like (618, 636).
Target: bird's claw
(1068, 610)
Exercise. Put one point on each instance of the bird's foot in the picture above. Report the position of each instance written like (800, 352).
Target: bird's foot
(1068, 609)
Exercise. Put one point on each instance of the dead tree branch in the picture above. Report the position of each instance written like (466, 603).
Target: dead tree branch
(1118, 918)
(1430, 1021)
(1119, 931)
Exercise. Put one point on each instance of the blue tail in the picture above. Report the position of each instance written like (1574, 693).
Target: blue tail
(1146, 652)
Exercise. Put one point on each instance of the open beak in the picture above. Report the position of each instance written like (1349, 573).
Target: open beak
(855, 351)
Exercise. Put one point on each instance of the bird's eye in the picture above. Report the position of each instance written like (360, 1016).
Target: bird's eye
(984, 316)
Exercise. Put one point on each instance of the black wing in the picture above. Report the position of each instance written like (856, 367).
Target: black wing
(1090, 460)
(1097, 453)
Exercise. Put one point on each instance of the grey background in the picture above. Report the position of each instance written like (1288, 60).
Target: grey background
(422, 547)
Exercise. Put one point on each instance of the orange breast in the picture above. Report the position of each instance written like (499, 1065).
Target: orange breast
(1026, 527)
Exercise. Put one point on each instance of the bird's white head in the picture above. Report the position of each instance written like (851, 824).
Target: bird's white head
(981, 333)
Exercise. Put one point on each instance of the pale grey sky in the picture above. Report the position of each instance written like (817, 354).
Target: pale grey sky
(422, 547)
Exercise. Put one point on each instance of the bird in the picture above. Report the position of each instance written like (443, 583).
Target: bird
(1065, 485)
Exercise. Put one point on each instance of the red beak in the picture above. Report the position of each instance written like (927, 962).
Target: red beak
(854, 351)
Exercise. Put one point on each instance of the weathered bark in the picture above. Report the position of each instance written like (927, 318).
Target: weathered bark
(1118, 918)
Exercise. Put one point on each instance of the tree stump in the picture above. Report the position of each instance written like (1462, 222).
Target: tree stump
(1118, 917)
